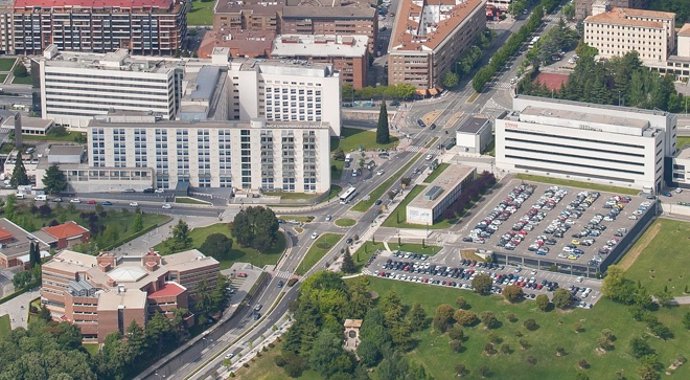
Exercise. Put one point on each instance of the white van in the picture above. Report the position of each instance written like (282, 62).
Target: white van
(19, 196)
(41, 197)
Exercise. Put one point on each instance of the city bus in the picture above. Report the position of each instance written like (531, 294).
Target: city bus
(347, 195)
(533, 42)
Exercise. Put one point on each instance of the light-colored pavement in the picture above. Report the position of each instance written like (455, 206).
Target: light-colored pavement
(18, 308)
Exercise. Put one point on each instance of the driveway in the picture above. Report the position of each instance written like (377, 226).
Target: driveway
(18, 308)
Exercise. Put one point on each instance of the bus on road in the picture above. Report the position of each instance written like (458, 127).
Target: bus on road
(347, 195)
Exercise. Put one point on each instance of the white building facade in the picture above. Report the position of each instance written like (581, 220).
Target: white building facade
(580, 141)
(254, 155)
(75, 87)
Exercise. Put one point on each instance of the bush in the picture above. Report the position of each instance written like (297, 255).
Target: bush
(562, 298)
(456, 345)
(462, 303)
(513, 293)
(217, 246)
(543, 302)
(456, 332)
(489, 320)
(465, 318)
(530, 324)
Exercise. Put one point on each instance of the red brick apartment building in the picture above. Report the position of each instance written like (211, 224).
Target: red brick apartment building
(63, 235)
(145, 27)
(105, 293)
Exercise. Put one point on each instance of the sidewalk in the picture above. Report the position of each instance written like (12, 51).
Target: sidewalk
(18, 308)
(144, 242)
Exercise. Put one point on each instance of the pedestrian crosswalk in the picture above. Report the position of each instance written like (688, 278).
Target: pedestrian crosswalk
(500, 85)
(415, 149)
(282, 274)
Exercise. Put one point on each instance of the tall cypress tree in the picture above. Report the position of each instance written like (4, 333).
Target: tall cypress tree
(19, 176)
(382, 132)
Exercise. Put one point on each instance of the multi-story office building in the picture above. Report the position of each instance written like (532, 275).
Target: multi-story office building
(156, 27)
(428, 38)
(104, 294)
(583, 8)
(290, 156)
(615, 145)
(617, 31)
(429, 205)
(348, 54)
(77, 86)
(6, 30)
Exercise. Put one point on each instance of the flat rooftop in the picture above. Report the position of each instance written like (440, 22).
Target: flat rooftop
(291, 45)
(296, 67)
(66, 150)
(229, 124)
(119, 60)
(353, 12)
(473, 125)
(93, 3)
(15, 240)
(584, 117)
(437, 190)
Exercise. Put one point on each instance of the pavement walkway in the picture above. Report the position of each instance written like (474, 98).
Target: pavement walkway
(144, 242)
(18, 308)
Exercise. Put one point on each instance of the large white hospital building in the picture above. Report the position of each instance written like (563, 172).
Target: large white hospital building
(581, 141)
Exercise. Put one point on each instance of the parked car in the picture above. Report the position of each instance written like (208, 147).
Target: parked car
(134, 204)
(167, 206)
(75, 200)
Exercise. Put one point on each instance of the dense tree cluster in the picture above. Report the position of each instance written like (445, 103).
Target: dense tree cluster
(555, 40)
(256, 227)
(217, 246)
(402, 91)
(54, 180)
(617, 81)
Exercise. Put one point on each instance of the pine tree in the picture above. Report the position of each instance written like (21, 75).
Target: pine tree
(348, 264)
(19, 176)
(382, 132)
(54, 181)
(32, 255)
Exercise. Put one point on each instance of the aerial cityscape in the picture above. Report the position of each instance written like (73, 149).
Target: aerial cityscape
(384, 190)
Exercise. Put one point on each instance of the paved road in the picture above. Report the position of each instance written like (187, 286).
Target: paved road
(17, 308)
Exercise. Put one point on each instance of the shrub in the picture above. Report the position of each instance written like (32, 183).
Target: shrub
(465, 318)
(456, 345)
(456, 332)
(531, 324)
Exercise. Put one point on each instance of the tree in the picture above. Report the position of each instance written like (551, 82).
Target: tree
(456, 332)
(482, 284)
(450, 79)
(489, 320)
(542, 302)
(44, 314)
(530, 324)
(138, 222)
(562, 298)
(256, 227)
(348, 265)
(327, 356)
(639, 347)
(443, 318)
(375, 338)
(417, 318)
(34, 254)
(180, 239)
(382, 131)
(20, 70)
(217, 245)
(462, 303)
(54, 180)
(19, 176)
(456, 345)
(686, 320)
(513, 293)
(465, 317)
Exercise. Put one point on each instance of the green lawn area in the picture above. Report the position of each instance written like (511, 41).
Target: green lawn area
(334, 192)
(298, 218)
(6, 63)
(69, 137)
(23, 80)
(398, 217)
(355, 139)
(2, 78)
(320, 247)
(6, 148)
(380, 191)
(345, 222)
(201, 13)
(437, 172)
(5, 327)
(580, 184)
(284, 195)
(91, 348)
(264, 368)
(664, 261)
(237, 253)
(682, 141)
(336, 169)
(191, 201)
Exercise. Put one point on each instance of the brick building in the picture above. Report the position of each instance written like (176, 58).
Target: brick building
(14, 245)
(63, 235)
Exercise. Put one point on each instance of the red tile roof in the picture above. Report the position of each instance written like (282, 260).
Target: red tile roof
(5, 235)
(93, 3)
(169, 289)
(552, 81)
(65, 231)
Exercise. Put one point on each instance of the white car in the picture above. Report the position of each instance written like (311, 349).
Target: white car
(134, 204)
(229, 356)
(160, 190)
(429, 157)
(167, 206)
(75, 200)
(314, 235)
(380, 172)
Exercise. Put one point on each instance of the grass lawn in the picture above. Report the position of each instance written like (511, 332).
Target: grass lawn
(664, 261)
(380, 191)
(5, 326)
(6, 63)
(91, 348)
(298, 218)
(336, 169)
(6, 148)
(264, 368)
(345, 222)
(682, 141)
(580, 184)
(23, 80)
(320, 247)
(69, 137)
(201, 13)
(2, 78)
(334, 192)
(284, 195)
(437, 172)
(356, 139)
(191, 201)
(398, 217)
(237, 253)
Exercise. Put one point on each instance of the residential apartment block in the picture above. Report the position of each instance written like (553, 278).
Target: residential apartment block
(603, 144)
(6, 30)
(155, 27)
(428, 38)
(617, 31)
(77, 86)
(347, 54)
(104, 294)
(255, 155)
(583, 8)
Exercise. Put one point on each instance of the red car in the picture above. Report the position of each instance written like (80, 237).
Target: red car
(91, 202)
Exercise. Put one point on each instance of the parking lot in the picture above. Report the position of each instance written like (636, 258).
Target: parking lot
(565, 226)
(449, 269)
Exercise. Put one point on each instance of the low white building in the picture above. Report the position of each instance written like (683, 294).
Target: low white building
(605, 144)
(427, 207)
(474, 135)
(681, 168)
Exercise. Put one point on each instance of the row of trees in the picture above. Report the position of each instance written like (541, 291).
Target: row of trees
(617, 81)
(400, 91)
(469, 60)
(558, 39)
(315, 339)
(54, 180)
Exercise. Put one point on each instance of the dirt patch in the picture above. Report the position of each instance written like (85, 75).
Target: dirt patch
(431, 117)
(640, 246)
